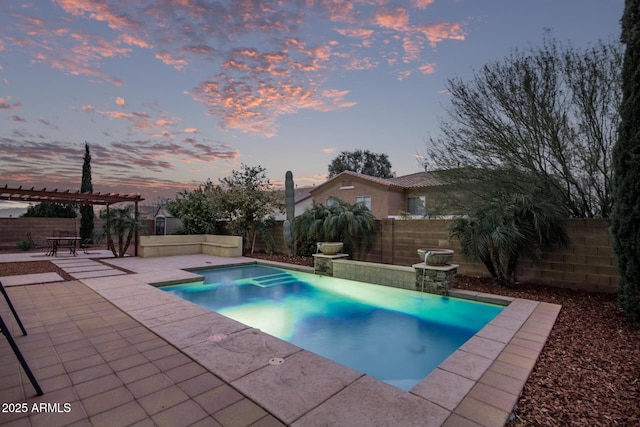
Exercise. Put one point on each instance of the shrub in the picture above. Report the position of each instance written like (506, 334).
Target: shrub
(25, 245)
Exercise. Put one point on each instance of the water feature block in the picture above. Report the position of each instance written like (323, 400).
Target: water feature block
(434, 279)
(323, 264)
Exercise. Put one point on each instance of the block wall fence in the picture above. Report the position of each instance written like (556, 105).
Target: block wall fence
(14, 230)
(588, 263)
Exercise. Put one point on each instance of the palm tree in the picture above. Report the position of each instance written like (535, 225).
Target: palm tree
(123, 223)
(508, 227)
(341, 222)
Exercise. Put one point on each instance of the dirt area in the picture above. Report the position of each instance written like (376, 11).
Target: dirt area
(587, 375)
(31, 267)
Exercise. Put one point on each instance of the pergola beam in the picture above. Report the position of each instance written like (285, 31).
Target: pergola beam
(54, 196)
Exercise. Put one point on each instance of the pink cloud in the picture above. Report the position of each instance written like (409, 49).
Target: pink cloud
(395, 19)
(423, 4)
(361, 33)
(266, 58)
(7, 105)
(436, 33)
(428, 68)
(254, 107)
(169, 59)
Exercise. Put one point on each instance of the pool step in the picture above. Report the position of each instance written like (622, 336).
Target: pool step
(273, 279)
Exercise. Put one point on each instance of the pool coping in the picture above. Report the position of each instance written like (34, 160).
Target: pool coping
(479, 384)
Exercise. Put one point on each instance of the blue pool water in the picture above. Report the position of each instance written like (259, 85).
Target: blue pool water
(395, 335)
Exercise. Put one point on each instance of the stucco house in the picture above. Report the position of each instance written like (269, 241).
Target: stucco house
(412, 195)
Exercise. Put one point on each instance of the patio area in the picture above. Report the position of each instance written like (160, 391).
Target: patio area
(120, 352)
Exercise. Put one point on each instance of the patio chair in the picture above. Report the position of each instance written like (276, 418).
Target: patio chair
(51, 247)
(5, 331)
(13, 310)
(86, 244)
(31, 241)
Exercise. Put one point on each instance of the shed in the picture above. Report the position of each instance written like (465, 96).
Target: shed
(165, 223)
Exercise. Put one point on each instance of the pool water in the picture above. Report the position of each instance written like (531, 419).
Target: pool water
(395, 335)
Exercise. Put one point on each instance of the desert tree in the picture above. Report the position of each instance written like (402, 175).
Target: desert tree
(361, 161)
(543, 117)
(250, 203)
(51, 210)
(625, 217)
(200, 209)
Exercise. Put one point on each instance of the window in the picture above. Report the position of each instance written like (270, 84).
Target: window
(416, 205)
(332, 201)
(346, 185)
(366, 200)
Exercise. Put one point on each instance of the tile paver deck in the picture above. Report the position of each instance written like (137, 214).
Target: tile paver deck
(112, 381)
(120, 351)
(26, 279)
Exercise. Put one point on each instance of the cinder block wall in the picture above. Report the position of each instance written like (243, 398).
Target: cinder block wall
(588, 263)
(14, 230)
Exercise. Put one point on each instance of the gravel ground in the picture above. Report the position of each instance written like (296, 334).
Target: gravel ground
(587, 375)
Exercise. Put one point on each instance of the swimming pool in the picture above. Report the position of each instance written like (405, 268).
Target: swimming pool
(394, 335)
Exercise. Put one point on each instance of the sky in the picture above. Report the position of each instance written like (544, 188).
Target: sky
(170, 93)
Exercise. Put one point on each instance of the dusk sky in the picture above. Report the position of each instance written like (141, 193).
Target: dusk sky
(169, 93)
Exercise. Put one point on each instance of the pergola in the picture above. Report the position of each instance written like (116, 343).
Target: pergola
(54, 196)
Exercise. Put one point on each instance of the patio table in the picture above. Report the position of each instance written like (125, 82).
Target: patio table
(69, 242)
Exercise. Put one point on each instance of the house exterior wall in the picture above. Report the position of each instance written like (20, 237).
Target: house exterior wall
(384, 201)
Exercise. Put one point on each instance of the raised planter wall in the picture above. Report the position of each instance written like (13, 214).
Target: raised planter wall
(208, 244)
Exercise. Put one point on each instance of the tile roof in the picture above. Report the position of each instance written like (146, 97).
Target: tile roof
(302, 193)
(414, 180)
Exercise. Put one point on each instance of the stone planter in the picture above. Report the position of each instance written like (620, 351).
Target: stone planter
(330, 248)
(436, 256)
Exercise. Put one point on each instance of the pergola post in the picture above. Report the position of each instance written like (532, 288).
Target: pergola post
(137, 235)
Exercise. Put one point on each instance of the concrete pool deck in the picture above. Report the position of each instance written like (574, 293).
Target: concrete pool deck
(478, 385)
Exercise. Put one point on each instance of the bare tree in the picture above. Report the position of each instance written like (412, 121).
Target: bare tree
(542, 118)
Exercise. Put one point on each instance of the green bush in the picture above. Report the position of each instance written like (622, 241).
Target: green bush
(508, 227)
(25, 245)
(342, 222)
